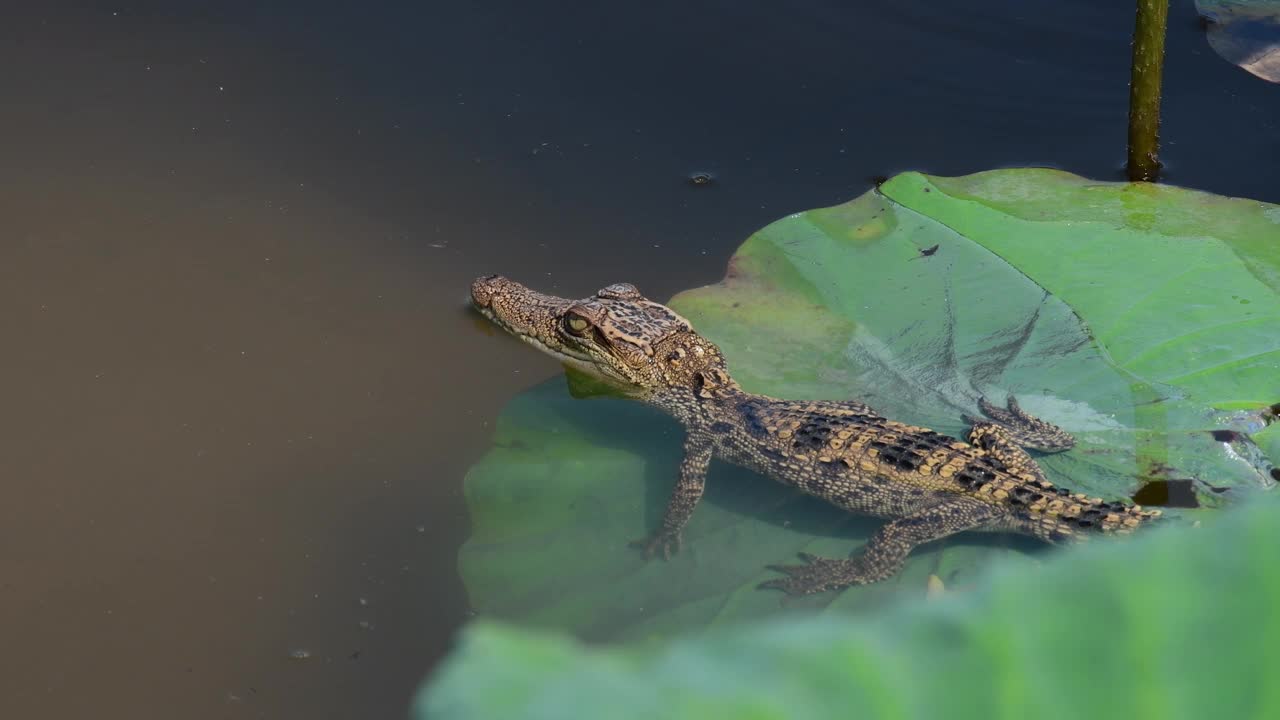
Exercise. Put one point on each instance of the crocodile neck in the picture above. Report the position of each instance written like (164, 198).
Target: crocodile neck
(708, 395)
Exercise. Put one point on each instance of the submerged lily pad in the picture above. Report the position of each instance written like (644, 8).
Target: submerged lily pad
(1245, 33)
(1144, 319)
(1180, 624)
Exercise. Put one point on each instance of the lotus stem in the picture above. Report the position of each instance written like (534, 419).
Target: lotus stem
(1144, 90)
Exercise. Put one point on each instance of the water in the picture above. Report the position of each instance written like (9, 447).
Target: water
(240, 383)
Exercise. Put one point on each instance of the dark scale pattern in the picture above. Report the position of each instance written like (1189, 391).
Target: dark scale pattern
(774, 455)
(927, 485)
(901, 455)
(752, 419)
(1024, 495)
(994, 464)
(975, 475)
(929, 440)
(868, 421)
(814, 434)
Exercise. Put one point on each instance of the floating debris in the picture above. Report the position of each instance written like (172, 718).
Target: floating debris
(702, 178)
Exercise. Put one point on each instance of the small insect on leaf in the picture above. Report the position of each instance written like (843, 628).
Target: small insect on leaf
(927, 252)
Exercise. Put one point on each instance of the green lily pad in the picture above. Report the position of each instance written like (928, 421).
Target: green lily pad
(1245, 33)
(1141, 318)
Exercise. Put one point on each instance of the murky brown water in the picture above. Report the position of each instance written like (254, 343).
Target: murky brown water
(240, 388)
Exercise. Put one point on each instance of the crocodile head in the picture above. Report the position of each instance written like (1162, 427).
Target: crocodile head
(618, 335)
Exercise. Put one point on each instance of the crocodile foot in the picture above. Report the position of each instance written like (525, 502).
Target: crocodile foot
(818, 574)
(666, 542)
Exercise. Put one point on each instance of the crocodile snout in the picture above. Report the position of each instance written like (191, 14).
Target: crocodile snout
(518, 309)
(485, 288)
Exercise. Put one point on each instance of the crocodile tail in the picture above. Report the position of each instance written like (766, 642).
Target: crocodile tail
(1066, 515)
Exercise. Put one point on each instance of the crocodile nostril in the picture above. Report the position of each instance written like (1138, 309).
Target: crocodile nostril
(482, 290)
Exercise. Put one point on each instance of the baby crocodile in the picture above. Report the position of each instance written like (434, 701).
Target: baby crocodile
(928, 484)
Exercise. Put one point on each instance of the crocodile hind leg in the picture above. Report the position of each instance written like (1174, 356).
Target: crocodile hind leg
(1025, 430)
(1007, 432)
(886, 551)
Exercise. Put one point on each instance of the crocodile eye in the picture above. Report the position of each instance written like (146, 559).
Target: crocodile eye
(576, 324)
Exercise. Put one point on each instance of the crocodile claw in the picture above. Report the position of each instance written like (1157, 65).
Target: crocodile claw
(669, 543)
(818, 574)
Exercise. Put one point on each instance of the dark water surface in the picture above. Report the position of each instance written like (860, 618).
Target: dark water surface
(240, 388)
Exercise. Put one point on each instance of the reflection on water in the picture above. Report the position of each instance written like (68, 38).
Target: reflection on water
(240, 387)
(1245, 33)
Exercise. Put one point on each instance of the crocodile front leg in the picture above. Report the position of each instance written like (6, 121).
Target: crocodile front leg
(886, 551)
(684, 498)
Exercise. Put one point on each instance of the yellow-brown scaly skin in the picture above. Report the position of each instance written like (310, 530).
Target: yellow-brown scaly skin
(929, 485)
